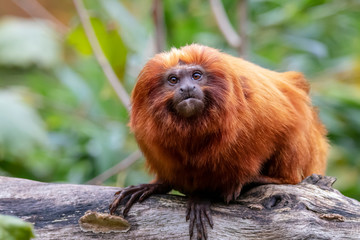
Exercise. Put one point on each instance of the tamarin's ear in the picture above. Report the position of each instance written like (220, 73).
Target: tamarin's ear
(181, 62)
(298, 80)
(245, 87)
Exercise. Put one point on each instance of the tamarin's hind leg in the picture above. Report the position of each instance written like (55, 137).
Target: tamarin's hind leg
(287, 165)
(232, 193)
(139, 193)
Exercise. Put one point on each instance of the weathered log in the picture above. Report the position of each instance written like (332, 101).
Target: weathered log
(309, 210)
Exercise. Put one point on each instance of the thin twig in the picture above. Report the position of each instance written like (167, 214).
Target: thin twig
(36, 10)
(160, 30)
(242, 16)
(116, 169)
(224, 24)
(99, 54)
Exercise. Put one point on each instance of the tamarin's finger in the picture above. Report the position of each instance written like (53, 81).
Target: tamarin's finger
(188, 210)
(209, 217)
(192, 220)
(145, 195)
(131, 201)
(199, 227)
(203, 225)
(114, 205)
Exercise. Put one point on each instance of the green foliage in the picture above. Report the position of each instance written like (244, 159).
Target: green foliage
(19, 137)
(340, 111)
(13, 228)
(38, 34)
(62, 121)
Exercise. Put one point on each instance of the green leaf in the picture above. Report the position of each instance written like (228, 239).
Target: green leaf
(112, 45)
(312, 46)
(133, 33)
(26, 42)
(13, 228)
(110, 41)
(77, 39)
(76, 84)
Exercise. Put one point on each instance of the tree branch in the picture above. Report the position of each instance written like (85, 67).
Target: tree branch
(36, 10)
(224, 24)
(311, 209)
(160, 30)
(99, 54)
(243, 24)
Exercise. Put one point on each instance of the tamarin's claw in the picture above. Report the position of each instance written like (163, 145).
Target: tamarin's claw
(197, 211)
(133, 194)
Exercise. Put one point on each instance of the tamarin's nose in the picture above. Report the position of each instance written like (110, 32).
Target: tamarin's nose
(189, 88)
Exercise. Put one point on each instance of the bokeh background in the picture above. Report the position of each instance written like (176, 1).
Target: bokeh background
(61, 121)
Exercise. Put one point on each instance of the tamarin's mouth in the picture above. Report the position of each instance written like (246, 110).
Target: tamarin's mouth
(188, 97)
(190, 106)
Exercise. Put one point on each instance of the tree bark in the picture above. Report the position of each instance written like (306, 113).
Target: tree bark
(311, 209)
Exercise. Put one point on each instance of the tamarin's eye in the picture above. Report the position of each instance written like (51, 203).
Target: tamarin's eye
(197, 75)
(173, 80)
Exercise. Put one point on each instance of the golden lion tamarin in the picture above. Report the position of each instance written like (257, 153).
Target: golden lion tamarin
(209, 123)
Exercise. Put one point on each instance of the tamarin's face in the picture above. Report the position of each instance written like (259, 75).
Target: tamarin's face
(182, 88)
(185, 81)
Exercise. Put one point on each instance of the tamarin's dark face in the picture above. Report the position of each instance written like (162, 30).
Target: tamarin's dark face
(186, 81)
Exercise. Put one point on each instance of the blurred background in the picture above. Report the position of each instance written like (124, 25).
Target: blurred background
(62, 121)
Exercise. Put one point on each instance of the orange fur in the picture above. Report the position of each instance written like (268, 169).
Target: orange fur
(257, 125)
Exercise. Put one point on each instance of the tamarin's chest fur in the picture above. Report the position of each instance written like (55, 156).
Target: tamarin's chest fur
(211, 163)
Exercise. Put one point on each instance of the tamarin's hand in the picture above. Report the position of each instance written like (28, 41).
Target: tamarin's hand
(209, 123)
